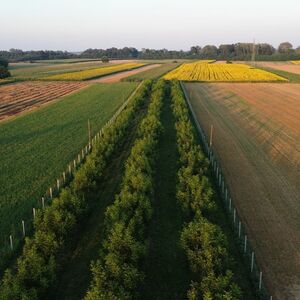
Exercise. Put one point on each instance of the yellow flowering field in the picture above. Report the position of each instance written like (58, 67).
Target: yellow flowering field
(203, 71)
(94, 73)
(296, 62)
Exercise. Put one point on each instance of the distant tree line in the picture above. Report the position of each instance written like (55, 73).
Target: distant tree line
(245, 51)
(111, 53)
(238, 51)
(14, 55)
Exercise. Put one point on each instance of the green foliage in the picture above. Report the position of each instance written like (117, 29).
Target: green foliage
(105, 59)
(204, 243)
(4, 73)
(117, 274)
(36, 268)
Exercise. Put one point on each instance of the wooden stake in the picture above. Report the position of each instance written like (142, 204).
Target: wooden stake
(57, 184)
(240, 227)
(245, 244)
(211, 135)
(11, 242)
(252, 261)
(64, 176)
(43, 202)
(51, 195)
(260, 280)
(33, 211)
(23, 227)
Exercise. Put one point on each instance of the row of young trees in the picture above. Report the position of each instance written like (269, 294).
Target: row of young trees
(118, 273)
(4, 73)
(54, 227)
(204, 242)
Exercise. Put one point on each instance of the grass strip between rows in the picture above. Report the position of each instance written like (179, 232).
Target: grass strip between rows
(36, 269)
(205, 243)
(118, 273)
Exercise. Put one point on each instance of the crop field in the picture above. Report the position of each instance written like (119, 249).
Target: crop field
(155, 73)
(37, 146)
(116, 77)
(206, 71)
(142, 203)
(19, 97)
(282, 66)
(257, 139)
(94, 73)
(27, 71)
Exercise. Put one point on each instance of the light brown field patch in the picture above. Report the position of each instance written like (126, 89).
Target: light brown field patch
(23, 96)
(118, 76)
(283, 66)
(257, 140)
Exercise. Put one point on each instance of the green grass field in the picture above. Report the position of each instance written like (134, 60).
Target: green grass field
(36, 147)
(153, 73)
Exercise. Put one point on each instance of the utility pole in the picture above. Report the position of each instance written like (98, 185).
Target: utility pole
(89, 130)
(253, 53)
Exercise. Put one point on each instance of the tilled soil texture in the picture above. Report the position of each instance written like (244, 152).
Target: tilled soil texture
(283, 66)
(118, 76)
(257, 139)
(19, 97)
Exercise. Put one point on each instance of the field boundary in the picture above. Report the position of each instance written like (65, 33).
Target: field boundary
(11, 243)
(239, 229)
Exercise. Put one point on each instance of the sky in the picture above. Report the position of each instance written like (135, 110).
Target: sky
(75, 25)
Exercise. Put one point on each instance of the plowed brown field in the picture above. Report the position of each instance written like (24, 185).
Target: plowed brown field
(18, 97)
(257, 140)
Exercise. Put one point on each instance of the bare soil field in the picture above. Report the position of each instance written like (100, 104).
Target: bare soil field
(18, 97)
(257, 140)
(118, 76)
(283, 66)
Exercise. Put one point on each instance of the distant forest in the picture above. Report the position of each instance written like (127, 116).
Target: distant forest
(238, 51)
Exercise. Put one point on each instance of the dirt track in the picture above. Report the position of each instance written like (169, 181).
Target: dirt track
(118, 76)
(284, 66)
(257, 138)
(19, 97)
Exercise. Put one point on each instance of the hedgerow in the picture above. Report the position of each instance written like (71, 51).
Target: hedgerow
(36, 268)
(118, 273)
(204, 243)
